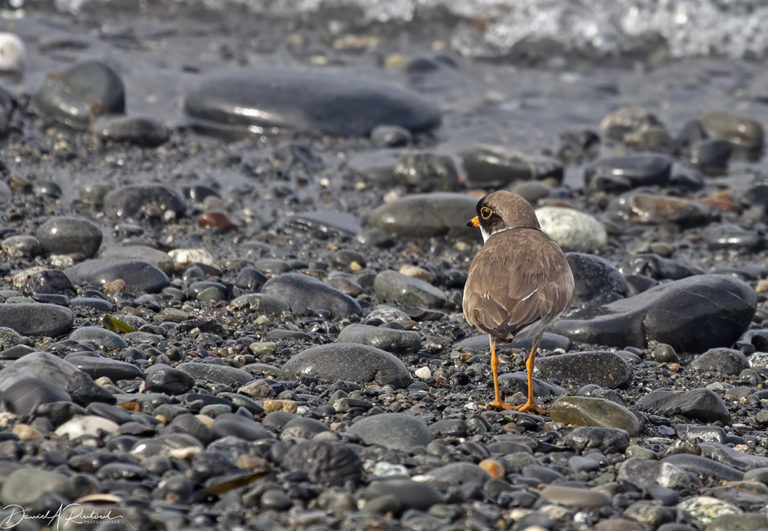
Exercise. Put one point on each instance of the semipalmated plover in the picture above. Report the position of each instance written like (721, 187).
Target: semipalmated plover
(518, 282)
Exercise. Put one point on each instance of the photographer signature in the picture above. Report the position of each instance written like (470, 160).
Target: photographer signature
(73, 513)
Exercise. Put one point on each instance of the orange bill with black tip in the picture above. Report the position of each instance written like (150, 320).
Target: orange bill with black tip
(474, 222)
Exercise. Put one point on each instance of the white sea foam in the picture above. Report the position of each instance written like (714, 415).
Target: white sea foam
(730, 28)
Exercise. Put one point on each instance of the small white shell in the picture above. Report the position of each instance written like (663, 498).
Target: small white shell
(13, 54)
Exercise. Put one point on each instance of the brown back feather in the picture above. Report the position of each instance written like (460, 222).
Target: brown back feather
(499, 296)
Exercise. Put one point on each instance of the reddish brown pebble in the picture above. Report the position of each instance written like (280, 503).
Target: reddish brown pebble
(131, 406)
(721, 204)
(493, 467)
(214, 219)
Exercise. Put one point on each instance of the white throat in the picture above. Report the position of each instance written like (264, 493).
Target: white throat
(487, 235)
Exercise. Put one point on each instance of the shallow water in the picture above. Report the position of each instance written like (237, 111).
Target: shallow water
(518, 105)
(494, 28)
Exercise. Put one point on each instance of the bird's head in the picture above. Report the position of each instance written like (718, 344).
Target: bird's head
(502, 210)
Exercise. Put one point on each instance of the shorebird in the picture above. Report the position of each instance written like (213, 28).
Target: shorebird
(518, 282)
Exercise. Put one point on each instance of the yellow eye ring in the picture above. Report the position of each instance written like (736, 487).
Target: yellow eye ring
(486, 213)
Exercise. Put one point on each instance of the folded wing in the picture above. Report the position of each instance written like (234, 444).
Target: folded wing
(507, 290)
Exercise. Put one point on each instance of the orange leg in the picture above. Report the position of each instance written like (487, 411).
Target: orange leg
(531, 403)
(497, 403)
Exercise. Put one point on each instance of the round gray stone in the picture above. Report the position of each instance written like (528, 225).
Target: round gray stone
(456, 475)
(603, 368)
(411, 494)
(150, 200)
(25, 485)
(426, 172)
(70, 235)
(721, 360)
(396, 431)
(699, 404)
(164, 379)
(588, 411)
(139, 276)
(324, 462)
(392, 286)
(261, 303)
(23, 396)
(302, 428)
(579, 498)
(57, 372)
(233, 425)
(36, 319)
(732, 236)
(98, 337)
(347, 361)
(389, 339)
(303, 293)
(607, 440)
(81, 93)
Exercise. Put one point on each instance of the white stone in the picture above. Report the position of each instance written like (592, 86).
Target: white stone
(5, 418)
(384, 469)
(62, 260)
(187, 452)
(13, 55)
(702, 510)
(423, 372)
(184, 257)
(86, 425)
(758, 360)
(571, 229)
(20, 279)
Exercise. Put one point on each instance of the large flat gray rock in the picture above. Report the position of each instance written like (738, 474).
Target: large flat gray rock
(261, 99)
(693, 315)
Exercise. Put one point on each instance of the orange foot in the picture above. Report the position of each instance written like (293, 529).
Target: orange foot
(531, 406)
(498, 404)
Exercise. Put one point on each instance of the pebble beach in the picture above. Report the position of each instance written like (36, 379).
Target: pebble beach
(234, 243)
